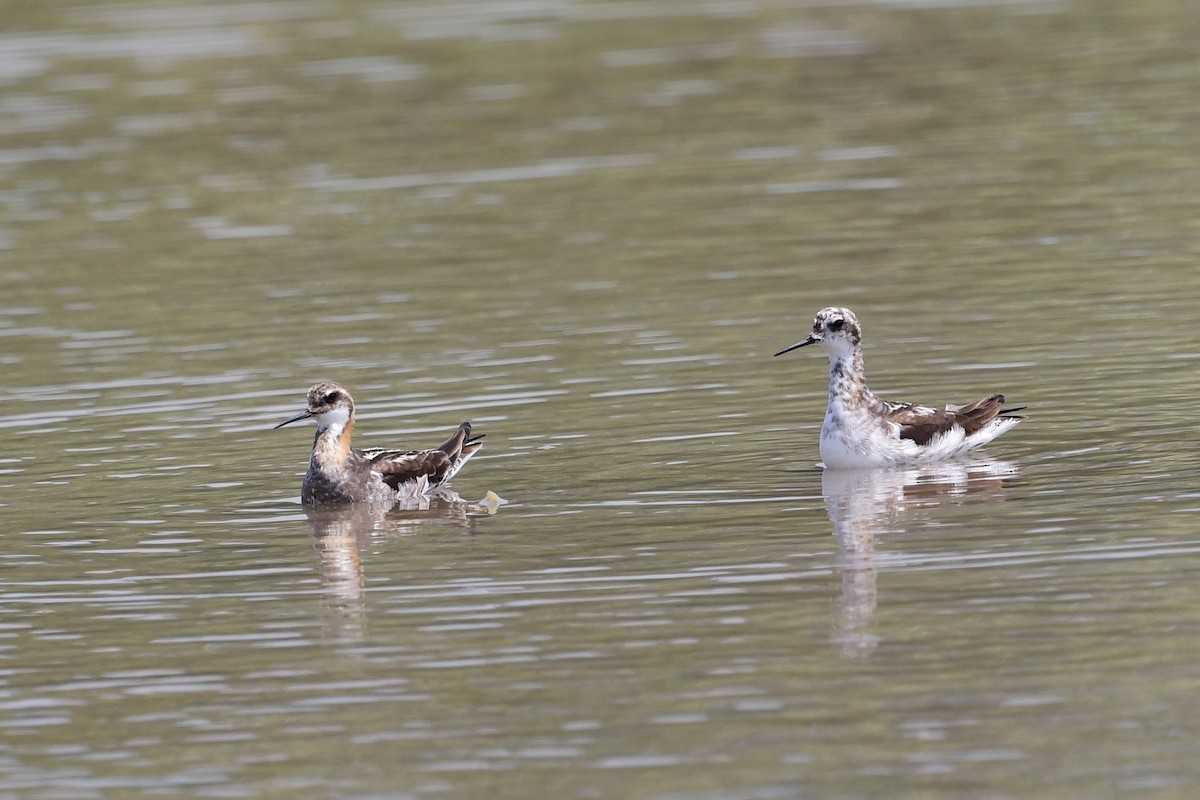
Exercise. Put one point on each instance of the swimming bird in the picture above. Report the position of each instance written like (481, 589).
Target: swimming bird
(339, 473)
(862, 429)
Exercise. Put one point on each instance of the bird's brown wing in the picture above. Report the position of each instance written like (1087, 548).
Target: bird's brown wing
(461, 444)
(398, 467)
(921, 424)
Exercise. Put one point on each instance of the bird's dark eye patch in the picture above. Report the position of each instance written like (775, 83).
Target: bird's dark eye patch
(330, 398)
(836, 324)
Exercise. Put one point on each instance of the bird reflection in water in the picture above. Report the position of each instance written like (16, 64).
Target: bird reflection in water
(341, 533)
(863, 503)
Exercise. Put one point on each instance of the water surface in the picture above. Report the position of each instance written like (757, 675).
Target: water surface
(586, 227)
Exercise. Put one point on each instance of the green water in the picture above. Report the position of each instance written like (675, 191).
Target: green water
(586, 227)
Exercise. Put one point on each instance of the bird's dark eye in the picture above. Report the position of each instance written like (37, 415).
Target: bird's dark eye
(836, 324)
(330, 398)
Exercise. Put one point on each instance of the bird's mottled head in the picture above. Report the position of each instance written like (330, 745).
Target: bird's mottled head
(834, 328)
(326, 396)
(329, 402)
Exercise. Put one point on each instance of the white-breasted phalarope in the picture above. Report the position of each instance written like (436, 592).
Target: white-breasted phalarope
(339, 473)
(862, 429)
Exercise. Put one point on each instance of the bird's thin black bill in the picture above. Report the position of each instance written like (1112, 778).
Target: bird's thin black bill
(297, 418)
(801, 343)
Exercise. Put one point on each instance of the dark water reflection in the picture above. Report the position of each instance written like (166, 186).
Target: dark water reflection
(342, 534)
(586, 226)
(865, 504)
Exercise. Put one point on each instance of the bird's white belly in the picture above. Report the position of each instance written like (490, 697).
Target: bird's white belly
(854, 441)
(858, 439)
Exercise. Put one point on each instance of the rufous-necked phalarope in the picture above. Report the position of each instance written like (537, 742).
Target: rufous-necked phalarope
(862, 429)
(339, 473)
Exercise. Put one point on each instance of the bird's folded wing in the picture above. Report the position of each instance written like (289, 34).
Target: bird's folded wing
(921, 424)
(398, 467)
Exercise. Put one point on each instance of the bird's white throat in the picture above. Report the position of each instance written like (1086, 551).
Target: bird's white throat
(333, 420)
